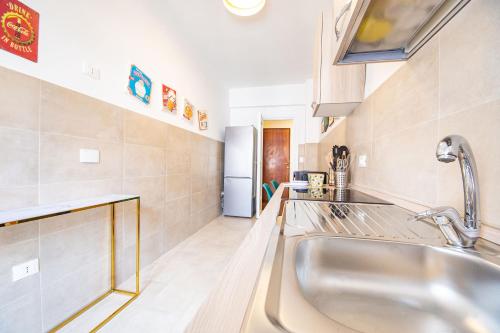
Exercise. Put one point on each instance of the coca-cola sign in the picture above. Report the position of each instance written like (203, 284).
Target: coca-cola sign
(19, 29)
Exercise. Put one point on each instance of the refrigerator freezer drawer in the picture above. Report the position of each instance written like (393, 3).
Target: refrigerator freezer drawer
(238, 197)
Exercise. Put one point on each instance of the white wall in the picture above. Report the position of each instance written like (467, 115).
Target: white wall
(112, 35)
(378, 73)
(248, 106)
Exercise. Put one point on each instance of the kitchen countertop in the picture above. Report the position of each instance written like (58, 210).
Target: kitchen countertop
(225, 308)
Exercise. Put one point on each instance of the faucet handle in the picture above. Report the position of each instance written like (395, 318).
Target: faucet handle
(449, 212)
(452, 226)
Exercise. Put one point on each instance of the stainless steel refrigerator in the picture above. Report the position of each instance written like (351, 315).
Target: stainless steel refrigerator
(240, 171)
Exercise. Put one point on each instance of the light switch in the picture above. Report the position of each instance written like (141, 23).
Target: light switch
(89, 156)
(362, 161)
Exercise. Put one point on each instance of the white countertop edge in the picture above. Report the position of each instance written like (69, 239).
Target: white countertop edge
(14, 215)
(224, 309)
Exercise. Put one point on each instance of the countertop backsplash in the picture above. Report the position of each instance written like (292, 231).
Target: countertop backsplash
(448, 87)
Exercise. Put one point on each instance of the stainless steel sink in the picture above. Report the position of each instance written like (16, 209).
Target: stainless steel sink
(376, 286)
(350, 283)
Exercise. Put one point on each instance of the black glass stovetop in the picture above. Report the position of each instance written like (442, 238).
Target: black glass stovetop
(333, 195)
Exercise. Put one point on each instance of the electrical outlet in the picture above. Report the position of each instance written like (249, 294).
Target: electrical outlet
(362, 161)
(24, 270)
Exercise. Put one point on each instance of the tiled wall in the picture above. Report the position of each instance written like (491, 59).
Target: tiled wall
(337, 136)
(308, 156)
(451, 86)
(178, 175)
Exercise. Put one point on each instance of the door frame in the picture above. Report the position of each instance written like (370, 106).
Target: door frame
(294, 157)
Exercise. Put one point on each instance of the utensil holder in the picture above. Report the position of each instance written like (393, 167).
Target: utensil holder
(331, 177)
(340, 179)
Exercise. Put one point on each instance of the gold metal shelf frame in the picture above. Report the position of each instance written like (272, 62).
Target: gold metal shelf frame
(100, 202)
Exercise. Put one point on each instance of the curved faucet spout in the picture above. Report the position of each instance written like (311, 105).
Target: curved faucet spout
(448, 150)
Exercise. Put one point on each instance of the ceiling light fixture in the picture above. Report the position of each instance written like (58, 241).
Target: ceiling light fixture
(244, 7)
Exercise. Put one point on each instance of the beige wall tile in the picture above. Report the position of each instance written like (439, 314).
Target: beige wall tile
(301, 156)
(66, 191)
(176, 234)
(179, 139)
(18, 233)
(359, 124)
(143, 161)
(405, 165)
(152, 194)
(176, 228)
(23, 314)
(18, 197)
(480, 126)
(60, 159)
(199, 183)
(20, 96)
(200, 145)
(70, 242)
(19, 151)
(151, 249)
(200, 201)
(362, 176)
(177, 162)
(177, 211)
(177, 186)
(12, 255)
(68, 295)
(311, 156)
(216, 182)
(469, 48)
(199, 170)
(410, 96)
(63, 111)
(19, 243)
(144, 130)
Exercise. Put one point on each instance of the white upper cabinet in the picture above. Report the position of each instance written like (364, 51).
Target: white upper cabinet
(376, 31)
(337, 90)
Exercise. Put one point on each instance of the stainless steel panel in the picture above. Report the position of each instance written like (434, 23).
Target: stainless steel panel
(239, 158)
(390, 30)
(361, 268)
(239, 199)
(377, 286)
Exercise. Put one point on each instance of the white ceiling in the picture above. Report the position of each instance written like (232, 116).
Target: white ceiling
(272, 47)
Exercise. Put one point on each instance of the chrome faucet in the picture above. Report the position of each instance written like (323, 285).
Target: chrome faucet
(458, 232)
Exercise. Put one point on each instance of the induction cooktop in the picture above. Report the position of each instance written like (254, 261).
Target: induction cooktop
(333, 195)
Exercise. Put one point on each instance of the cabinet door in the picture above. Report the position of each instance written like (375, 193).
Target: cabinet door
(339, 83)
(317, 58)
(343, 21)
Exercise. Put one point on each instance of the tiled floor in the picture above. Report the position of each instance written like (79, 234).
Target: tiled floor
(176, 284)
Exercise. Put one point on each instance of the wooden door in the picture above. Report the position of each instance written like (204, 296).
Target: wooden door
(276, 157)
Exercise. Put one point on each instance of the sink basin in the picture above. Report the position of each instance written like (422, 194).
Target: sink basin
(355, 268)
(374, 286)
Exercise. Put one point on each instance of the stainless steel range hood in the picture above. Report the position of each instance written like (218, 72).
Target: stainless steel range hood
(387, 30)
